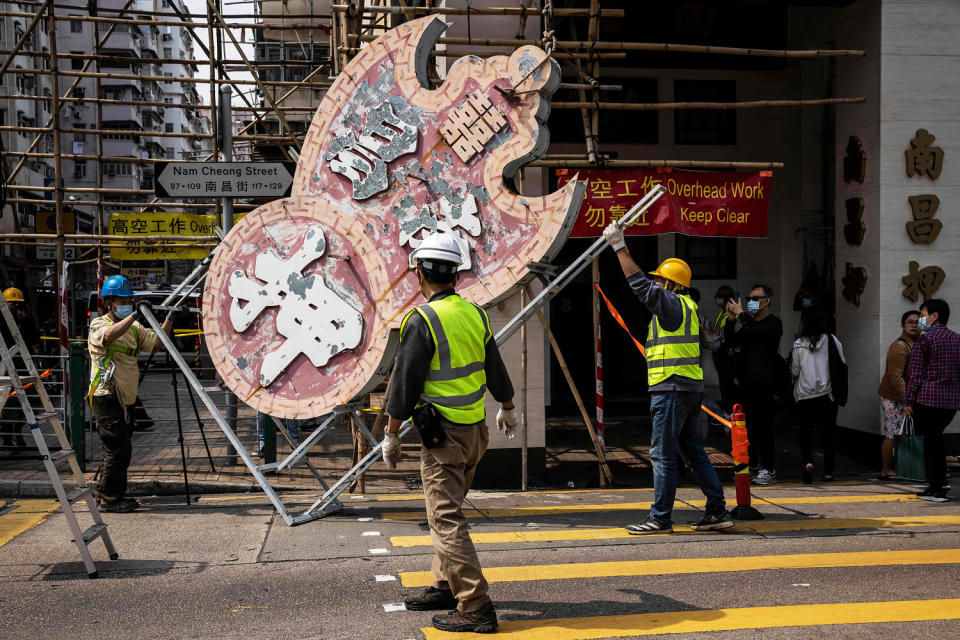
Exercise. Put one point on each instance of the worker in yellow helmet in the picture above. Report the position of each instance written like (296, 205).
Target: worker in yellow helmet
(675, 381)
(13, 420)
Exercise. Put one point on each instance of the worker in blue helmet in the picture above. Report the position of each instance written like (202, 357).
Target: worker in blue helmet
(115, 340)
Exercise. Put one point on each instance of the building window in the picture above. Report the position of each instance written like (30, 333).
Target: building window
(75, 25)
(705, 126)
(168, 75)
(79, 136)
(76, 64)
(168, 52)
(169, 153)
(80, 169)
(709, 258)
(168, 127)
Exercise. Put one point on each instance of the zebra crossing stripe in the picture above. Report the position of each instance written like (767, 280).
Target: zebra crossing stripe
(711, 620)
(760, 526)
(580, 570)
(643, 506)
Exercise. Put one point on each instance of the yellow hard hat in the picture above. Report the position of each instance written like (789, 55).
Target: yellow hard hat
(13, 295)
(674, 269)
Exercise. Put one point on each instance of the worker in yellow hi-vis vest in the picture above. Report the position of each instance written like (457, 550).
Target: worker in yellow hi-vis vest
(447, 360)
(115, 340)
(675, 382)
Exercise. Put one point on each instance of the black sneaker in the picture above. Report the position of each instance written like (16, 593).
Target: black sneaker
(484, 620)
(650, 525)
(926, 492)
(714, 521)
(432, 599)
(123, 505)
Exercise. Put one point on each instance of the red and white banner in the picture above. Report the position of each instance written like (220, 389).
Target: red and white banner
(697, 203)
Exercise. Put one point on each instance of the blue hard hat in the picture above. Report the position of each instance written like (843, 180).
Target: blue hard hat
(116, 286)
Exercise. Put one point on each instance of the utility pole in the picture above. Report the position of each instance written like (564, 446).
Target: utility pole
(226, 146)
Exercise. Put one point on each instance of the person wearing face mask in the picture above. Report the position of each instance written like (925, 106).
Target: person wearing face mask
(675, 383)
(114, 341)
(932, 392)
(892, 386)
(448, 358)
(757, 332)
(13, 421)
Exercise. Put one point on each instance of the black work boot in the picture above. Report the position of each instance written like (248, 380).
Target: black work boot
(123, 505)
(483, 620)
(432, 599)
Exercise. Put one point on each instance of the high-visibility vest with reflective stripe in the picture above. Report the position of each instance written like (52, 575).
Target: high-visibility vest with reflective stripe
(720, 322)
(456, 381)
(674, 353)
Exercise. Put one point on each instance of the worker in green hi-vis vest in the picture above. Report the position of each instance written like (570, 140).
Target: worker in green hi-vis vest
(446, 361)
(675, 382)
(115, 340)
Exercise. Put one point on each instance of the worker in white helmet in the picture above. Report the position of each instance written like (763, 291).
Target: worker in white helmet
(446, 361)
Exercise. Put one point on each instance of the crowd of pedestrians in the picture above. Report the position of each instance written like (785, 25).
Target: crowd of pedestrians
(921, 380)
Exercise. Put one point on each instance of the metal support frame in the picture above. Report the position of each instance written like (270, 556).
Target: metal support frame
(328, 502)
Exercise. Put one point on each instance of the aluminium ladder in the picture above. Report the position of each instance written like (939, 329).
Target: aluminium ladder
(11, 380)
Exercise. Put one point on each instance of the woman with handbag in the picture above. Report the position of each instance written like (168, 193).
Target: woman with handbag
(816, 405)
(892, 386)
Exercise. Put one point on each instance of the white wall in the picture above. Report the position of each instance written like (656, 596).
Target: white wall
(920, 88)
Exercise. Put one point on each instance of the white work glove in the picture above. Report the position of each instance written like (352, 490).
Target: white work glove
(391, 450)
(613, 234)
(507, 421)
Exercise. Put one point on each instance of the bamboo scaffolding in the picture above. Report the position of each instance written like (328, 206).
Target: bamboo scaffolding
(134, 205)
(655, 164)
(661, 106)
(645, 46)
(137, 76)
(479, 11)
(130, 59)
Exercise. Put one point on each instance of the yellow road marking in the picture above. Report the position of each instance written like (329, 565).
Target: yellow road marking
(760, 526)
(638, 506)
(708, 620)
(25, 515)
(698, 565)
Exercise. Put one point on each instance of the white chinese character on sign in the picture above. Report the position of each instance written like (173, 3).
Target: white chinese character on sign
(363, 160)
(313, 318)
(452, 219)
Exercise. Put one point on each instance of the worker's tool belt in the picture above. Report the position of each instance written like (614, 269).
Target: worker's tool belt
(427, 420)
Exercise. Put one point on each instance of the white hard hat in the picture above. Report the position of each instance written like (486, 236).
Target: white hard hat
(441, 247)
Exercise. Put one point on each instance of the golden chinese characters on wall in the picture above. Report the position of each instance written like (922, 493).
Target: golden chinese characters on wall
(923, 159)
(854, 282)
(854, 170)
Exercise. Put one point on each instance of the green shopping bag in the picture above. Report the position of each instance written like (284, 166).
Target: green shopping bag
(910, 453)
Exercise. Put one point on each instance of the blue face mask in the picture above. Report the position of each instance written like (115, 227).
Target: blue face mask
(922, 323)
(123, 311)
(753, 306)
(806, 303)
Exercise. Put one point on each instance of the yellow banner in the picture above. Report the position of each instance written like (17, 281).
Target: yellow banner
(161, 224)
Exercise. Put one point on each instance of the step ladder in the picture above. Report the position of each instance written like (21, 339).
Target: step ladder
(12, 381)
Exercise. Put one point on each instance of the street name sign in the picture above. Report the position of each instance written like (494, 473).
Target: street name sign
(224, 179)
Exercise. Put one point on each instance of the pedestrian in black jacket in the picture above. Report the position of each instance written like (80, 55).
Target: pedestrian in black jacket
(757, 332)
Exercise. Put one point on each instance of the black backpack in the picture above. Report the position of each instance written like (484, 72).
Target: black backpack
(838, 373)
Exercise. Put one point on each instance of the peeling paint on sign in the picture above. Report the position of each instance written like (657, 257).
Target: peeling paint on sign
(375, 174)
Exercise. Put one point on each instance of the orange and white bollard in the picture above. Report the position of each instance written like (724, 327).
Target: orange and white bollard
(741, 467)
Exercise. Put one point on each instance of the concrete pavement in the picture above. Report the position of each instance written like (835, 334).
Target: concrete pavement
(848, 559)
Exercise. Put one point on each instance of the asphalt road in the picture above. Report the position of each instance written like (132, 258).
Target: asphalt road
(844, 560)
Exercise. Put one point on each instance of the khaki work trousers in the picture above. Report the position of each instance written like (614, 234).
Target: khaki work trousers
(447, 473)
